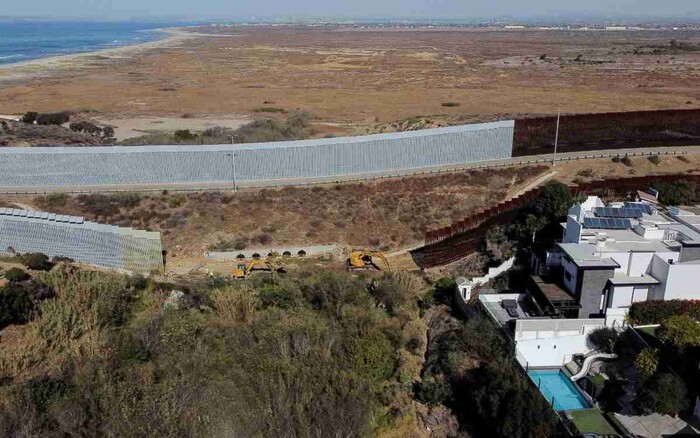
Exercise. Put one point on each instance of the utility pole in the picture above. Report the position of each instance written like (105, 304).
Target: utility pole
(233, 168)
(556, 140)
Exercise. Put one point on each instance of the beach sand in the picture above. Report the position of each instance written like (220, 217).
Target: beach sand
(43, 66)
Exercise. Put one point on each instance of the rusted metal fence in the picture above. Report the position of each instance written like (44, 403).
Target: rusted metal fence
(622, 130)
(463, 238)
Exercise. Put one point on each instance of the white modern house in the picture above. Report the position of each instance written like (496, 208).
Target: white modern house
(612, 256)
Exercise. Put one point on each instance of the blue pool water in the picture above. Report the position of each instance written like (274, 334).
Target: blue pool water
(27, 40)
(554, 383)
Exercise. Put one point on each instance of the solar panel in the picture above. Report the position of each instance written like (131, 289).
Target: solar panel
(646, 208)
(618, 212)
(607, 223)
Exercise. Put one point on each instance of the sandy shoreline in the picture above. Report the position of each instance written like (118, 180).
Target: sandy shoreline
(25, 69)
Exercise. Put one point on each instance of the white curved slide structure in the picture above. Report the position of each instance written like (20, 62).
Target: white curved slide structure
(589, 361)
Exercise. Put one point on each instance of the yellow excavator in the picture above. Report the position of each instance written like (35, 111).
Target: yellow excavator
(242, 270)
(362, 259)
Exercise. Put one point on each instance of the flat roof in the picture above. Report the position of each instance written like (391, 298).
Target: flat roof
(586, 255)
(492, 303)
(622, 280)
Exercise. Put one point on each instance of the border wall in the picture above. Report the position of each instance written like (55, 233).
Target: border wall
(289, 163)
(281, 161)
(109, 246)
(586, 132)
(449, 244)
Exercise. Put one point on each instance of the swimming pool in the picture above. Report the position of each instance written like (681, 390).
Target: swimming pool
(554, 384)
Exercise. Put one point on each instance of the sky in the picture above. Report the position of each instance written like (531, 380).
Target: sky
(410, 9)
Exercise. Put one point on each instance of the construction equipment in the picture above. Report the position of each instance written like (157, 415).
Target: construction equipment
(242, 270)
(362, 259)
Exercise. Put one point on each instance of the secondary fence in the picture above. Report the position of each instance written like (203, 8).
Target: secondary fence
(586, 132)
(449, 244)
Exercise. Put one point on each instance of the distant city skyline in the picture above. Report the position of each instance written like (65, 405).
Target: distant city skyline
(468, 10)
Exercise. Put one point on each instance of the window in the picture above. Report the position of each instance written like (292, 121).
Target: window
(567, 275)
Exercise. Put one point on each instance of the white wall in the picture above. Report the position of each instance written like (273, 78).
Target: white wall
(572, 234)
(678, 280)
(625, 295)
(620, 296)
(551, 352)
(659, 270)
(544, 328)
(682, 282)
(616, 317)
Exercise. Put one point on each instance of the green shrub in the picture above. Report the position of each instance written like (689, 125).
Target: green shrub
(30, 117)
(56, 200)
(654, 159)
(183, 135)
(627, 161)
(681, 331)
(270, 109)
(53, 118)
(604, 338)
(177, 201)
(15, 305)
(678, 193)
(16, 275)
(663, 394)
(656, 312)
(432, 392)
(36, 261)
(373, 356)
(647, 362)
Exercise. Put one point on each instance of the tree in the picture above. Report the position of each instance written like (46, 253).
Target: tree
(107, 132)
(498, 246)
(432, 391)
(554, 201)
(53, 118)
(184, 135)
(16, 275)
(36, 261)
(681, 331)
(677, 193)
(506, 403)
(30, 117)
(604, 338)
(647, 362)
(15, 305)
(664, 394)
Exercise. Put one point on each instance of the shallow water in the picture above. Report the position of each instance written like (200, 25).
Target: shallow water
(27, 40)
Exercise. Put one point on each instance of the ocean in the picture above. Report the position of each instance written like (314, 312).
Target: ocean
(26, 40)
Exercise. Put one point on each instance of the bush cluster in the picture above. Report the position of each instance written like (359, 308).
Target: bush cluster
(92, 129)
(36, 261)
(270, 357)
(678, 193)
(296, 127)
(656, 312)
(51, 118)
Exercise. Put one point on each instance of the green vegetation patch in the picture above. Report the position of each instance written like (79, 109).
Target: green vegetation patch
(592, 421)
(597, 379)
